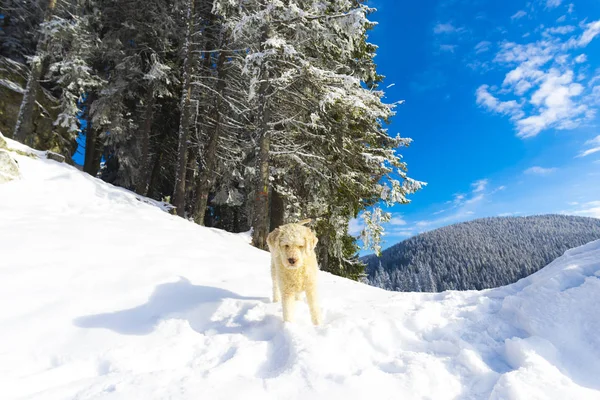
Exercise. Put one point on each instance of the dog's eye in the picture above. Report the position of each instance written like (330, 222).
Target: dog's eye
(301, 247)
(287, 246)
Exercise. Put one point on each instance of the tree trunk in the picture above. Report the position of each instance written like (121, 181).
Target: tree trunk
(206, 176)
(155, 173)
(190, 171)
(184, 121)
(145, 130)
(261, 201)
(98, 151)
(91, 136)
(277, 210)
(24, 127)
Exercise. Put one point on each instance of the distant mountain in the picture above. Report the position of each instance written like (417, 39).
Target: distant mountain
(479, 254)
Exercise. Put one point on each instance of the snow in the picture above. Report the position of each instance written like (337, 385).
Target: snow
(12, 86)
(104, 296)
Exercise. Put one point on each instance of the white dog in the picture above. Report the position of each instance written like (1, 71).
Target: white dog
(294, 268)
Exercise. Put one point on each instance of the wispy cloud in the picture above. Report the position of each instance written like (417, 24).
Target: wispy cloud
(447, 28)
(544, 85)
(518, 15)
(509, 214)
(480, 185)
(461, 207)
(594, 147)
(482, 47)
(434, 223)
(553, 3)
(540, 171)
(590, 209)
(559, 30)
(397, 221)
(492, 103)
(590, 151)
(448, 48)
(403, 233)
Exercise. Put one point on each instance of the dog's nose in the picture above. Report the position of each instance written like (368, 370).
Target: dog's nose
(292, 261)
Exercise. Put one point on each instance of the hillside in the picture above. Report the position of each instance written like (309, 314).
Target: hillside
(103, 296)
(479, 254)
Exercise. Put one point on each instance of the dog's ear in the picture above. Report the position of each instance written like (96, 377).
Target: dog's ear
(273, 239)
(311, 240)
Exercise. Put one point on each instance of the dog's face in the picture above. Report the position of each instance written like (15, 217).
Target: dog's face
(293, 243)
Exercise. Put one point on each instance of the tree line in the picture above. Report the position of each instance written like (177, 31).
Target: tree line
(241, 113)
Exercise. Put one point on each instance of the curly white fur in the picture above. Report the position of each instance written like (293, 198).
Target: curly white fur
(294, 269)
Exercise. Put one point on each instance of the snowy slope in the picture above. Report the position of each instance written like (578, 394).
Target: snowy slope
(105, 297)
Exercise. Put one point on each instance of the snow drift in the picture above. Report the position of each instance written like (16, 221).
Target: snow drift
(104, 296)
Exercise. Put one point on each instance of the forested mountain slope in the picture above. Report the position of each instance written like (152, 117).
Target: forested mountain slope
(479, 254)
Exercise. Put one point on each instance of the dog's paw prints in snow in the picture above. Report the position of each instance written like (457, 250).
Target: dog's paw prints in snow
(237, 334)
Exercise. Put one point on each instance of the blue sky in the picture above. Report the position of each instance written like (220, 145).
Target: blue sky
(501, 100)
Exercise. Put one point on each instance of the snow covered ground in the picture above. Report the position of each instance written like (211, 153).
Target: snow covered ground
(106, 297)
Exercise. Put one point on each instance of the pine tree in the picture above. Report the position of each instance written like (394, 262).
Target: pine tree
(185, 103)
(24, 127)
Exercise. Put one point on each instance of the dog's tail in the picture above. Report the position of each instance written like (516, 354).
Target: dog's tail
(305, 221)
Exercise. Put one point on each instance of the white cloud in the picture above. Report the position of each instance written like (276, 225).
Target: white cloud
(482, 47)
(398, 221)
(595, 147)
(560, 30)
(592, 30)
(590, 151)
(462, 205)
(448, 48)
(475, 199)
(591, 209)
(555, 104)
(487, 100)
(446, 28)
(509, 214)
(540, 85)
(400, 232)
(553, 3)
(480, 185)
(540, 170)
(518, 15)
(455, 217)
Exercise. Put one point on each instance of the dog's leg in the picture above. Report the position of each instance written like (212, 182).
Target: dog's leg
(289, 306)
(275, 278)
(313, 305)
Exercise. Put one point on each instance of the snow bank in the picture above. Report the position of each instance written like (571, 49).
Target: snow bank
(103, 296)
(9, 169)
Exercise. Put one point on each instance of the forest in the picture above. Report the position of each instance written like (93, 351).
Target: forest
(240, 113)
(479, 254)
